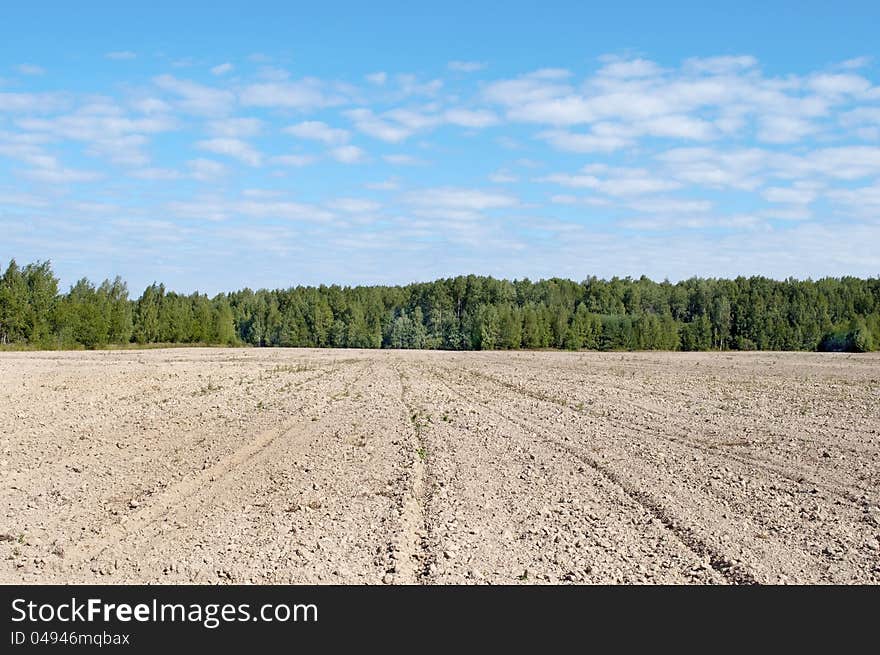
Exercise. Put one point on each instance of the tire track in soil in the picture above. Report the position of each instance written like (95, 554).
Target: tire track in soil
(188, 496)
(687, 536)
(67, 460)
(798, 535)
(666, 417)
(698, 444)
(413, 554)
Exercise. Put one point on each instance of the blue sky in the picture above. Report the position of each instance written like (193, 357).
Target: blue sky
(262, 144)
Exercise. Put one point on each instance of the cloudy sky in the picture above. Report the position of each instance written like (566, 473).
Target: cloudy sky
(264, 145)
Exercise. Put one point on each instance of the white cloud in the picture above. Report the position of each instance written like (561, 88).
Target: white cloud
(738, 169)
(236, 127)
(348, 154)
(612, 181)
(98, 122)
(377, 78)
(583, 143)
(30, 69)
(206, 170)
(391, 184)
(121, 55)
(466, 66)
(294, 161)
(396, 125)
(860, 201)
(788, 213)
(222, 69)
(107, 130)
(197, 98)
(784, 129)
(845, 163)
(671, 206)
(720, 65)
(400, 159)
(629, 68)
(235, 148)
(736, 221)
(61, 175)
(222, 209)
(409, 85)
(799, 195)
(569, 199)
(703, 99)
(305, 94)
(22, 200)
(503, 176)
(31, 102)
(292, 211)
(861, 116)
(150, 106)
(838, 84)
(318, 131)
(414, 120)
(368, 123)
(855, 63)
(156, 174)
(470, 118)
(354, 205)
(460, 198)
(675, 127)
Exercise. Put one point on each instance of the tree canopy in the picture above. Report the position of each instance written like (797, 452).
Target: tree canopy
(461, 313)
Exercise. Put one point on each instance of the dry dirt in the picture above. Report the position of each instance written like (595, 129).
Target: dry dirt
(319, 466)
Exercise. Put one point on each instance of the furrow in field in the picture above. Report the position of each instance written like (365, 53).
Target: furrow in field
(519, 510)
(693, 431)
(182, 501)
(784, 531)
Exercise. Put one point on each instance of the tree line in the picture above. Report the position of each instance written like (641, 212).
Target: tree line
(461, 313)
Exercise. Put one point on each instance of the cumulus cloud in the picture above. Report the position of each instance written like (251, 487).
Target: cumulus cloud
(397, 125)
(470, 117)
(466, 66)
(22, 103)
(702, 99)
(206, 170)
(628, 68)
(391, 184)
(156, 174)
(235, 148)
(305, 94)
(236, 127)
(460, 198)
(30, 69)
(106, 129)
(701, 148)
(368, 123)
(196, 98)
(222, 69)
(612, 181)
(348, 154)
(503, 176)
(796, 194)
(61, 175)
(295, 161)
(584, 143)
(318, 131)
(354, 205)
(401, 159)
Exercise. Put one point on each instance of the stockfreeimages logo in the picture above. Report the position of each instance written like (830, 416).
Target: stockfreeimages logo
(209, 615)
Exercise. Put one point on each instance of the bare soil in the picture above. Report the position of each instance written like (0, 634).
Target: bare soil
(343, 466)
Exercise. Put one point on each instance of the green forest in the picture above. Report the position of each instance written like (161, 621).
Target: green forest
(461, 313)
